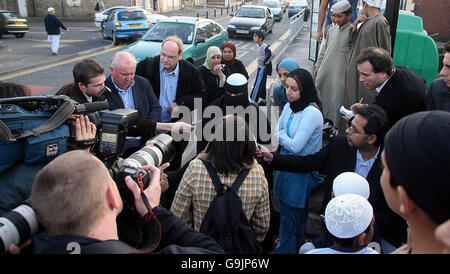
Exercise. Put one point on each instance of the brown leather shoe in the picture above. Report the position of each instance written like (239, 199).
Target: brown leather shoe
(55, 53)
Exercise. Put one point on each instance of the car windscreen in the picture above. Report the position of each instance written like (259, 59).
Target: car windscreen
(9, 15)
(162, 30)
(271, 4)
(250, 12)
(131, 15)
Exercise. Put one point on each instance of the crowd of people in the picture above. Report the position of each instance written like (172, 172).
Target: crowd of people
(384, 177)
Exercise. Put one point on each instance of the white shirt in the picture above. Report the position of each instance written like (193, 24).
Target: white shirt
(382, 85)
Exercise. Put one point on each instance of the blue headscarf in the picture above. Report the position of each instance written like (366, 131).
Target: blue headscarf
(288, 64)
(279, 94)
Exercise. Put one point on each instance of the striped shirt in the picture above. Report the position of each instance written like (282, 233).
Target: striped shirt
(196, 192)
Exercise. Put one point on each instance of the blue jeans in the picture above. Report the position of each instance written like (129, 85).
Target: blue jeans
(292, 229)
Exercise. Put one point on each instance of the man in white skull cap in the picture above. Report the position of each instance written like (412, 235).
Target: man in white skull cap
(349, 218)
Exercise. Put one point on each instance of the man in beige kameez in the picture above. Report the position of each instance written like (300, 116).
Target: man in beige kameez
(332, 62)
(374, 31)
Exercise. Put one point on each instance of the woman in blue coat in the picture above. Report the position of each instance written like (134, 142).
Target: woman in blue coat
(299, 132)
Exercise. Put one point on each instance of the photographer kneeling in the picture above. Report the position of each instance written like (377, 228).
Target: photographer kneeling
(90, 225)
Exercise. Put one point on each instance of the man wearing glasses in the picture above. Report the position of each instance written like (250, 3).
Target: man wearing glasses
(175, 81)
(358, 151)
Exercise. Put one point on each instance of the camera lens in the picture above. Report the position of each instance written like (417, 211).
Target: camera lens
(17, 226)
(158, 150)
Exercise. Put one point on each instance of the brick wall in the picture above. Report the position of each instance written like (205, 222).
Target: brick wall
(64, 8)
(435, 15)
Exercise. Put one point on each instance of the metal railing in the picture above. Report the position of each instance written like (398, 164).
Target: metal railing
(296, 24)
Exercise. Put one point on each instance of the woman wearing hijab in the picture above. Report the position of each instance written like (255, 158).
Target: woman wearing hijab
(230, 61)
(279, 92)
(299, 132)
(214, 74)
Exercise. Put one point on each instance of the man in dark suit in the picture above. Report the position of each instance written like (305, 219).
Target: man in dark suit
(400, 90)
(130, 91)
(88, 82)
(359, 151)
(175, 81)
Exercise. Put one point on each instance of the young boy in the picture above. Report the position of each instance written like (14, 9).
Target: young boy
(349, 219)
(264, 68)
(331, 64)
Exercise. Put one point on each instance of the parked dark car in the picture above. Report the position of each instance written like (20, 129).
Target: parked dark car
(249, 19)
(10, 23)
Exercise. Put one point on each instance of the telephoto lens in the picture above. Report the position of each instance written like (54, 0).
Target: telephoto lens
(157, 151)
(17, 226)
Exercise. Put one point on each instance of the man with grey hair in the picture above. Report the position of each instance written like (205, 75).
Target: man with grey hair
(130, 91)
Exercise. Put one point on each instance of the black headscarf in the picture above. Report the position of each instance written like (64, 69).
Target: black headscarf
(308, 92)
(417, 152)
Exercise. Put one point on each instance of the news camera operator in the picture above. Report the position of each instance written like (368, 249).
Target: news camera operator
(91, 224)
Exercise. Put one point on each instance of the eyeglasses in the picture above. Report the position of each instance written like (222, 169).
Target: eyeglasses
(352, 129)
(170, 57)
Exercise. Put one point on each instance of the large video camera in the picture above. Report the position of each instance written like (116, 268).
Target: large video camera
(21, 223)
(37, 129)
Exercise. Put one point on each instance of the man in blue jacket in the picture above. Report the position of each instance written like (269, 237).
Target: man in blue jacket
(52, 26)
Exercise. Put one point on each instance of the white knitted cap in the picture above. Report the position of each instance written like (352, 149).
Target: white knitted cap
(351, 183)
(374, 3)
(236, 79)
(348, 215)
(341, 6)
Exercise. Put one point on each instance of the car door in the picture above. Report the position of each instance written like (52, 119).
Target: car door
(200, 48)
(269, 20)
(109, 23)
(213, 32)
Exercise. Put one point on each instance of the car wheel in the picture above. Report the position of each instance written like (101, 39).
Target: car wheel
(115, 39)
(19, 35)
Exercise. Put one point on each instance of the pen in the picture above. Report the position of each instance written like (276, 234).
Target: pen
(362, 98)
